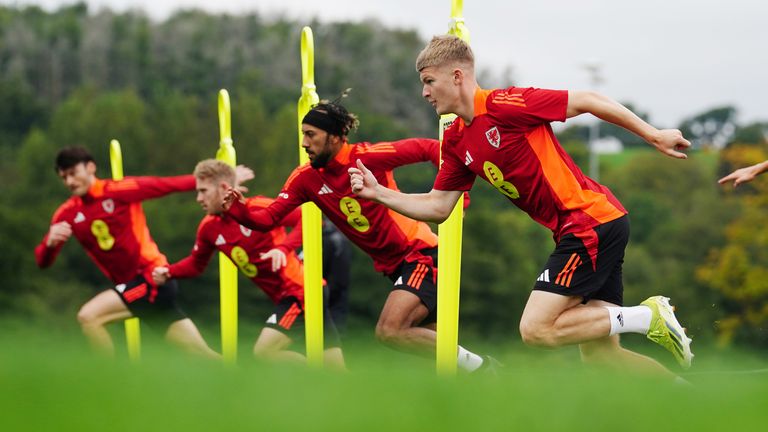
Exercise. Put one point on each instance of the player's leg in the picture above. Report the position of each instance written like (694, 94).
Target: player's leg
(104, 308)
(286, 327)
(184, 334)
(408, 319)
(333, 358)
(551, 320)
(158, 306)
(608, 352)
(578, 269)
(272, 344)
(553, 317)
(398, 324)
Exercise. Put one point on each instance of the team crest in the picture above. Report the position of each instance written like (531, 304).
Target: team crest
(494, 137)
(246, 231)
(108, 205)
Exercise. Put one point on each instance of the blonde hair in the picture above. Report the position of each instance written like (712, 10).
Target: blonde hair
(215, 170)
(445, 49)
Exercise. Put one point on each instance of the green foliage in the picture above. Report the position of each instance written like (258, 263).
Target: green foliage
(676, 215)
(737, 269)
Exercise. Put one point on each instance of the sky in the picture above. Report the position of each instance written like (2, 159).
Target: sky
(670, 58)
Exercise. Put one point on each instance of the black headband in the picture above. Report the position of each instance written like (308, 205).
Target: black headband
(323, 121)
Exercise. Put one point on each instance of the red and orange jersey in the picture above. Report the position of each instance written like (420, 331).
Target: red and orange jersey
(511, 145)
(109, 223)
(388, 237)
(244, 247)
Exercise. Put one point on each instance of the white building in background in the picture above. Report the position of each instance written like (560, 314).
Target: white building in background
(608, 145)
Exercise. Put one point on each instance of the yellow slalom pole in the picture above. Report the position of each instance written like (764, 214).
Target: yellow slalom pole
(449, 252)
(227, 270)
(311, 217)
(132, 325)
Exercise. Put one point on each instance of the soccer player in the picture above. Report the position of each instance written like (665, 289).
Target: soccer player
(746, 174)
(267, 258)
(337, 261)
(401, 248)
(505, 137)
(107, 219)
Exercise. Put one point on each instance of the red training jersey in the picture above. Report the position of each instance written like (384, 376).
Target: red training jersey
(109, 223)
(386, 236)
(244, 246)
(511, 145)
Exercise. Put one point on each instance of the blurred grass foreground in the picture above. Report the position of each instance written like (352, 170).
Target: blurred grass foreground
(56, 384)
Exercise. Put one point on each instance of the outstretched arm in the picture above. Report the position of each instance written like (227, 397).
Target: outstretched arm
(258, 219)
(667, 141)
(746, 174)
(434, 206)
(49, 247)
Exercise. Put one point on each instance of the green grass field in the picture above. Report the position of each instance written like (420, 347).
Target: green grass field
(51, 382)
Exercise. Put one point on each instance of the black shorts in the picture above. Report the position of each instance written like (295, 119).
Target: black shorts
(588, 264)
(288, 318)
(156, 305)
(420, 278)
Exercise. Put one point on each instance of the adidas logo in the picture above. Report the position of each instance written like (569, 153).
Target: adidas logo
(220, 240)
(272, 319)
(399, 281)
(544, 277)
(324, 190)
(620, 318)
(120, 288)
(246, 231)
(468, 159)
(79, 217)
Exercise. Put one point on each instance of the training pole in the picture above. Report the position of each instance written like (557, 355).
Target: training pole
(449, 251)
(132, 325)
(227, 270)
(311, 219)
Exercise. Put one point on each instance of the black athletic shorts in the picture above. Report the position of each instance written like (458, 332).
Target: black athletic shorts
(155, 305)
(288, 318)
(588, 264)
(420, 277)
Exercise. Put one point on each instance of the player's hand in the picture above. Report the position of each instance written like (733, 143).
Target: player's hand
(58, 233)
(741, 175)
(230, 197)
(160, 275)
(242, 175)
(363, 182)
(278, 258)
(671, 143)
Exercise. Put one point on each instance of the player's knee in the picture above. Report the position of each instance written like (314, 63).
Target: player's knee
(537, 335)
(387, 333)
(87, 318)
(264, 351)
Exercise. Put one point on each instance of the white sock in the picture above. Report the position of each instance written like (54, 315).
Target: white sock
(634, 319)
(468, 361)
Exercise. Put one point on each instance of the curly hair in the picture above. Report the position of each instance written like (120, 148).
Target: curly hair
(332, 116)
